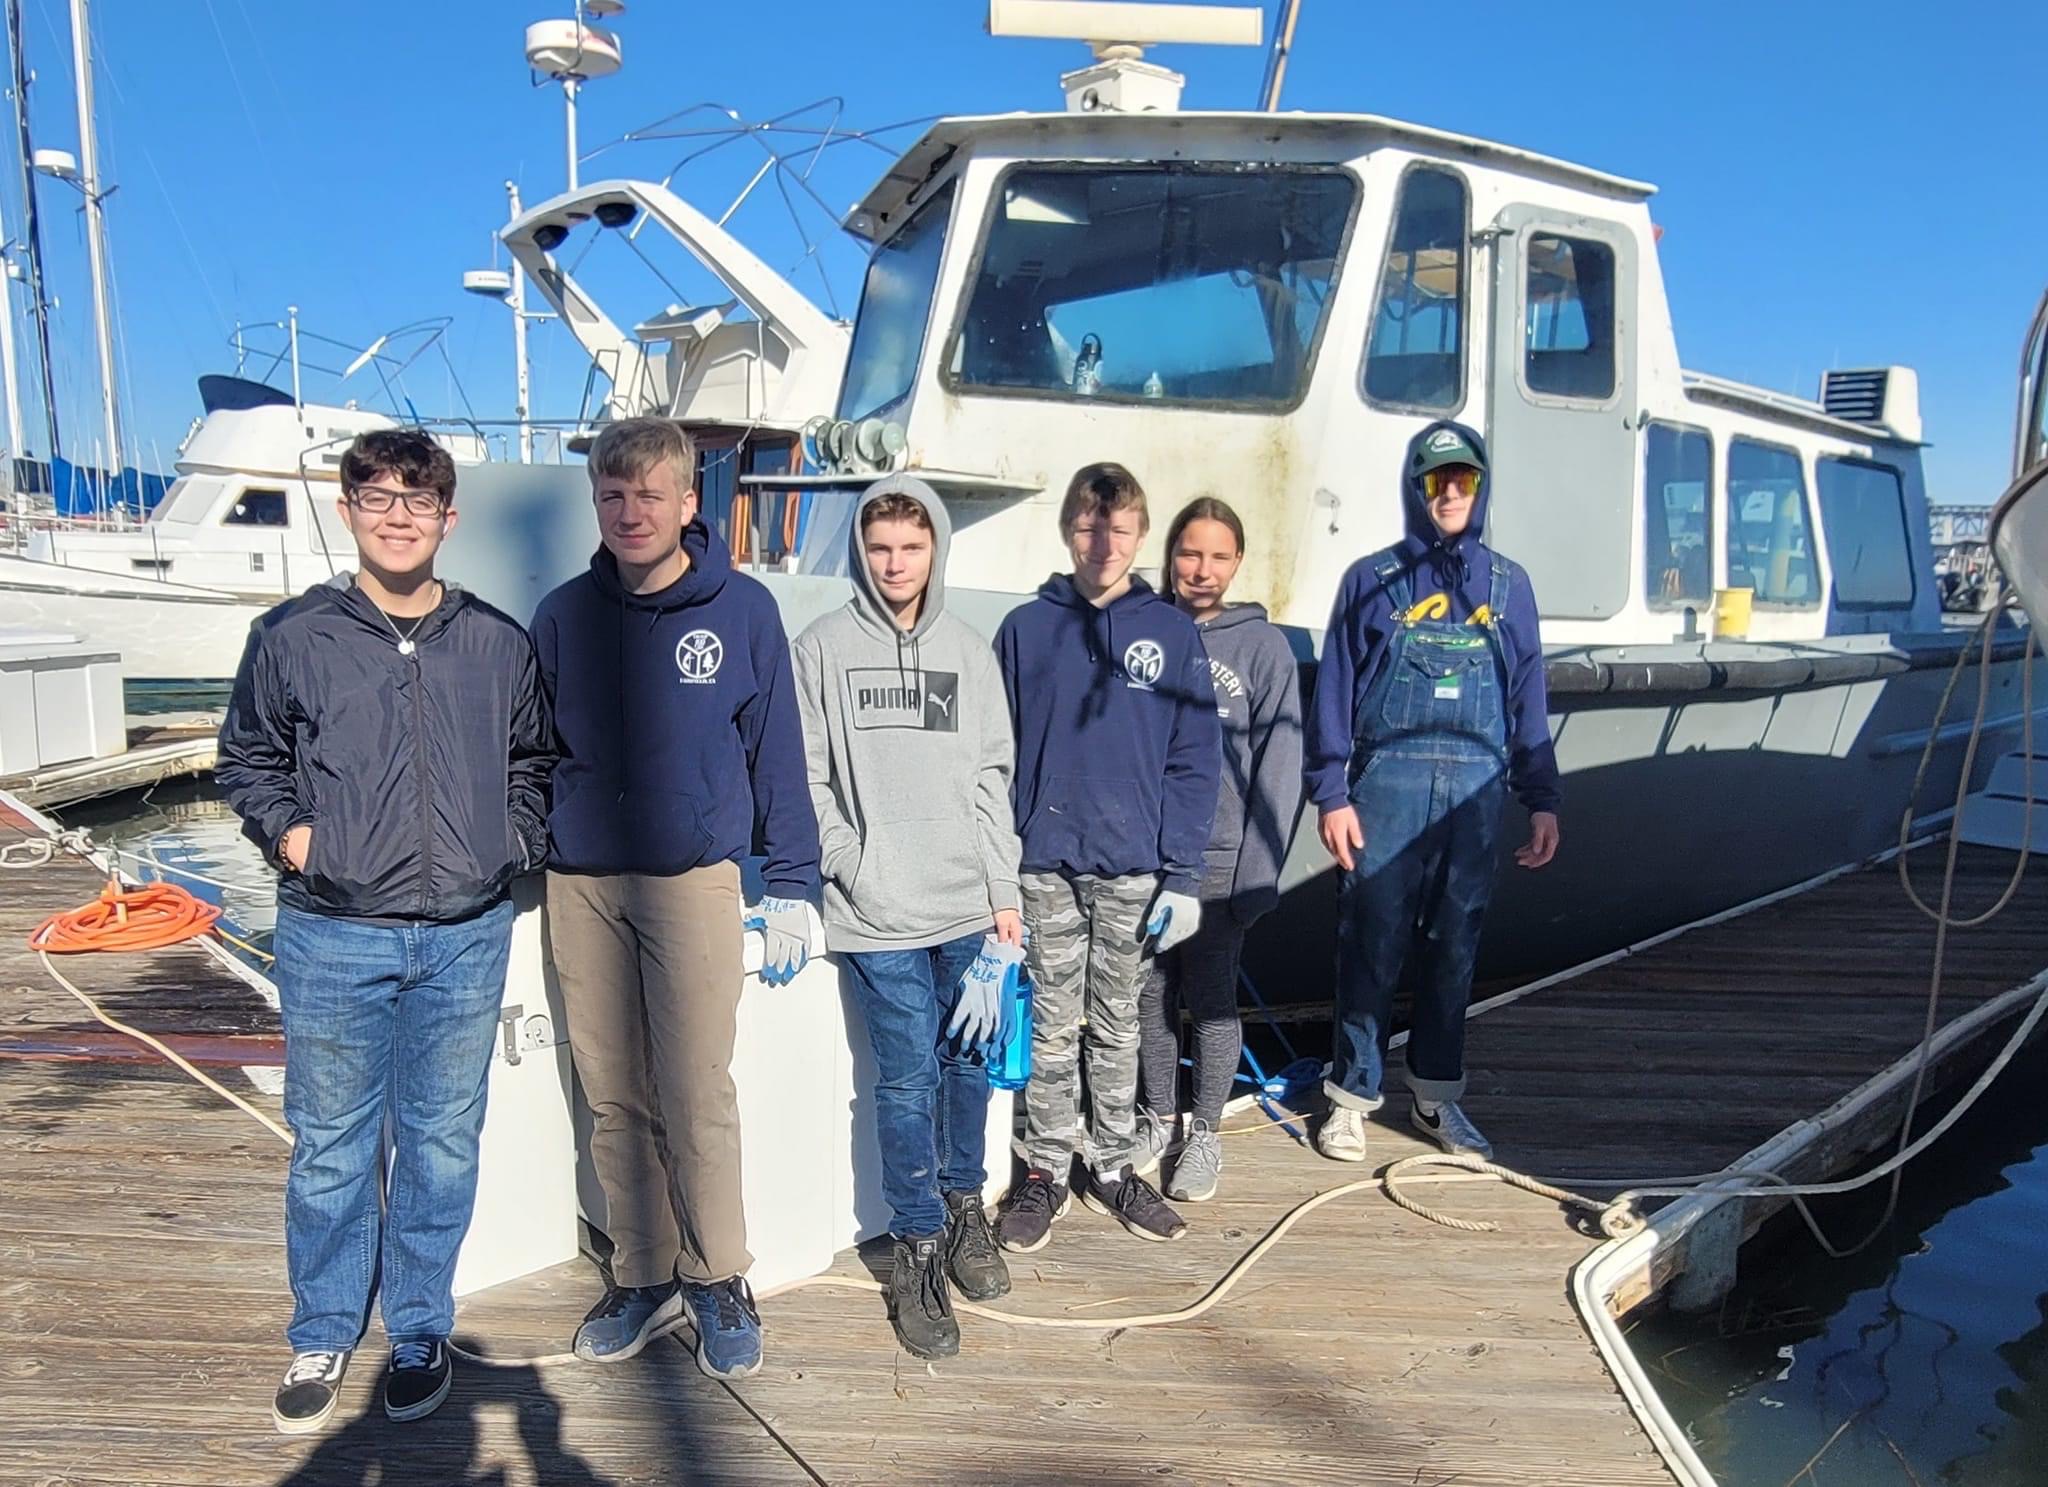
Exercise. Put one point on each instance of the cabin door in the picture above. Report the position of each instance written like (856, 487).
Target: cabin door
(1563, 436)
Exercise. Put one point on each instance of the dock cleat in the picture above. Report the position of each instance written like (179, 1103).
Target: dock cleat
(1452, 1129)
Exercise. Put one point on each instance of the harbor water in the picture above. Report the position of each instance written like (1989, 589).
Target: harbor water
(1921, 1360)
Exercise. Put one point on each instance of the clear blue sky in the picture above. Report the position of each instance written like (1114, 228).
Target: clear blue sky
(1840, 185)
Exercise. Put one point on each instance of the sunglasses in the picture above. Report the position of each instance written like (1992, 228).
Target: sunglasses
(1437, 484)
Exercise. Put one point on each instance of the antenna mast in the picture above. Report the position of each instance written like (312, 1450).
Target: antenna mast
(95, 233)
(31, 230)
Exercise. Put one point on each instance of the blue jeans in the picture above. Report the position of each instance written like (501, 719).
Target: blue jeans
(383, 1021)
(931, 1100)
(1410, 914)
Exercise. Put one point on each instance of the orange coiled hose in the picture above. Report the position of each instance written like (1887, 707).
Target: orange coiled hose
(145, 918)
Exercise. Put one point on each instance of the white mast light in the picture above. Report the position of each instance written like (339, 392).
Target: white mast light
(1118, 31)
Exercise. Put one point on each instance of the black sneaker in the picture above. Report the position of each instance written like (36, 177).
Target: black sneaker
(919, 1308)
(1134, 1203)
(418, 1381)
(311, 1388)
(1027, 1218)
(971, 1254)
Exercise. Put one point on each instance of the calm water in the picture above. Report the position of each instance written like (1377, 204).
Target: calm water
(1928, 1352)
(183, 832)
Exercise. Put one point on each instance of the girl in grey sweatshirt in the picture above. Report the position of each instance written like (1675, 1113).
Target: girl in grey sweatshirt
(1258, 701)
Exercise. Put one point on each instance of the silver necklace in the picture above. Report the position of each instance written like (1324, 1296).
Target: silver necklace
(405, 645)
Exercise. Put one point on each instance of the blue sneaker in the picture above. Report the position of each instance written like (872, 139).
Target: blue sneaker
(728, 1327)
(626, 1320)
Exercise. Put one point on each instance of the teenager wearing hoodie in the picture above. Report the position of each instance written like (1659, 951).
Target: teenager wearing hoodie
(1258, 703)
(1429, 709)
(677, 718)
(907, 735)
(1118, 751)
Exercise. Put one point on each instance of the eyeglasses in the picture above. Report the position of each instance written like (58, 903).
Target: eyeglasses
(1451, 480)
(377, 500)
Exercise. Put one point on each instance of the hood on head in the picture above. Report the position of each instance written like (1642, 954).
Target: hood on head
(1443, 443)
(868, 600)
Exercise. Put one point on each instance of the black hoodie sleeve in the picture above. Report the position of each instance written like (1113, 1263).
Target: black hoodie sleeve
(256, 750)
(531, 760)
(1194, 769)
(772, 731)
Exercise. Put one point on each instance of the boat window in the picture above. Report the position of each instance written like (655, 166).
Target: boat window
(1678, 516)
(1568, 310)
(895, 307)
(190, 499)
(1770, 543)
(1417, 355)
(1177, 284)
(1863, 513)
(257, 508)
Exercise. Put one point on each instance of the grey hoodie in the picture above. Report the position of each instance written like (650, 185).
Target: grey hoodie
(907, 737)
(1258, 700)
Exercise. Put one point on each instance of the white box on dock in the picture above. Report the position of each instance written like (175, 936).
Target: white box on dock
(60, 702)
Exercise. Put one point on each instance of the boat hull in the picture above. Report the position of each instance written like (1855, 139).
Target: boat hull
(164, 632)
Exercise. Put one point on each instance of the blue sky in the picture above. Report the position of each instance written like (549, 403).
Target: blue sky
(1840, 185)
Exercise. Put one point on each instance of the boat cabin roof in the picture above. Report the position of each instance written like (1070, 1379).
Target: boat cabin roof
(1207, 135)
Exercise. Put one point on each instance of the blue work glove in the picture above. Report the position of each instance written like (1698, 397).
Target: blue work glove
(980, 1011)
(1175, 916)
(785, 926)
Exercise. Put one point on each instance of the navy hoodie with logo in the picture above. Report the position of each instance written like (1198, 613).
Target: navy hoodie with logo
(1362, 624)
(1118, 746)
(678, 724)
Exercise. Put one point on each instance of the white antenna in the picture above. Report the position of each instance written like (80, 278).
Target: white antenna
(1118, 31)
(572, 52)
(510, 288)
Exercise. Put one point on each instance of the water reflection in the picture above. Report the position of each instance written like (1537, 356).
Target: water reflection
(184, 833)
(1924, 1359)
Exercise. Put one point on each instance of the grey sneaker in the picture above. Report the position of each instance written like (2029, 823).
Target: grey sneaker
(1200, 1166)
(1155, 1139)
(626, 1320)
(1452, 1129)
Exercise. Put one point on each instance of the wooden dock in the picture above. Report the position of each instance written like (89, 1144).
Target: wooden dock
(159, 749)
(142, 1293)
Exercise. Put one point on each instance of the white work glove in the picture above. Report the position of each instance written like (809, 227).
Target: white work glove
(980, 1012)
(1175, 916)
(785, 925)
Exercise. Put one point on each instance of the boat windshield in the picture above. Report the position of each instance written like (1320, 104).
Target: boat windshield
(895, 306)
(189, 500)
(1177, 283)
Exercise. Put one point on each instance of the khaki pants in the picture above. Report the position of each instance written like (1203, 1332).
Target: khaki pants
(651, 976)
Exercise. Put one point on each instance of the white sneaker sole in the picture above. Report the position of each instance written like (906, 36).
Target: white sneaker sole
(1342, 1154)
(1485, 1154)
(745, 1370)
(308, 1424)
(1107, 1212)
(1188, 1195)
(665, 1319)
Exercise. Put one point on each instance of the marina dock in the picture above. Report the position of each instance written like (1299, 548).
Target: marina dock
(142, 1290)
(159, 749)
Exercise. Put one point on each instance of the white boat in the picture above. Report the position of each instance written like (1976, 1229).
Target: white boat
(1266, 307)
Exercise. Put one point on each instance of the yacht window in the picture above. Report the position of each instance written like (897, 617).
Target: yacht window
(895, 306)
(189, 499)
(1417, 355)
(1863, 513)
(1569, 318)
(1179, 284)
(1678, 516)
(1770, 542)
(257, 508)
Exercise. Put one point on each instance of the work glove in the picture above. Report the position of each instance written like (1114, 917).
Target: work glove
(785, 927)
(1175, 916)
(980, 1011)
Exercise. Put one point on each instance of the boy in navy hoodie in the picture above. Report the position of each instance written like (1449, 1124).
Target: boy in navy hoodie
(677, 715)
(1118, 757)
(1429, 708)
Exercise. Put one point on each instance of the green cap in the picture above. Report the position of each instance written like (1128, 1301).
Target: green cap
(1444, 447)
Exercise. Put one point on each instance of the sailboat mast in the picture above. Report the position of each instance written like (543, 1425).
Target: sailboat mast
(1276, 65)
(31, 231)
(95, 232)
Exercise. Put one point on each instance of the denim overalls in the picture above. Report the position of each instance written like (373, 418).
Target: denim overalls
(1428, 779)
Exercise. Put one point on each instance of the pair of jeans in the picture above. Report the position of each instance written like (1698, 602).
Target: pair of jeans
(931, 1098)
(1410, 913)
(383, 1022)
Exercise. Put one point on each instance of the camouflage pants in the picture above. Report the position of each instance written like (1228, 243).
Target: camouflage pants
(1086, 957)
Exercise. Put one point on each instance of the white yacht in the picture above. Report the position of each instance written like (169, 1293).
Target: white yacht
(1266, 307)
